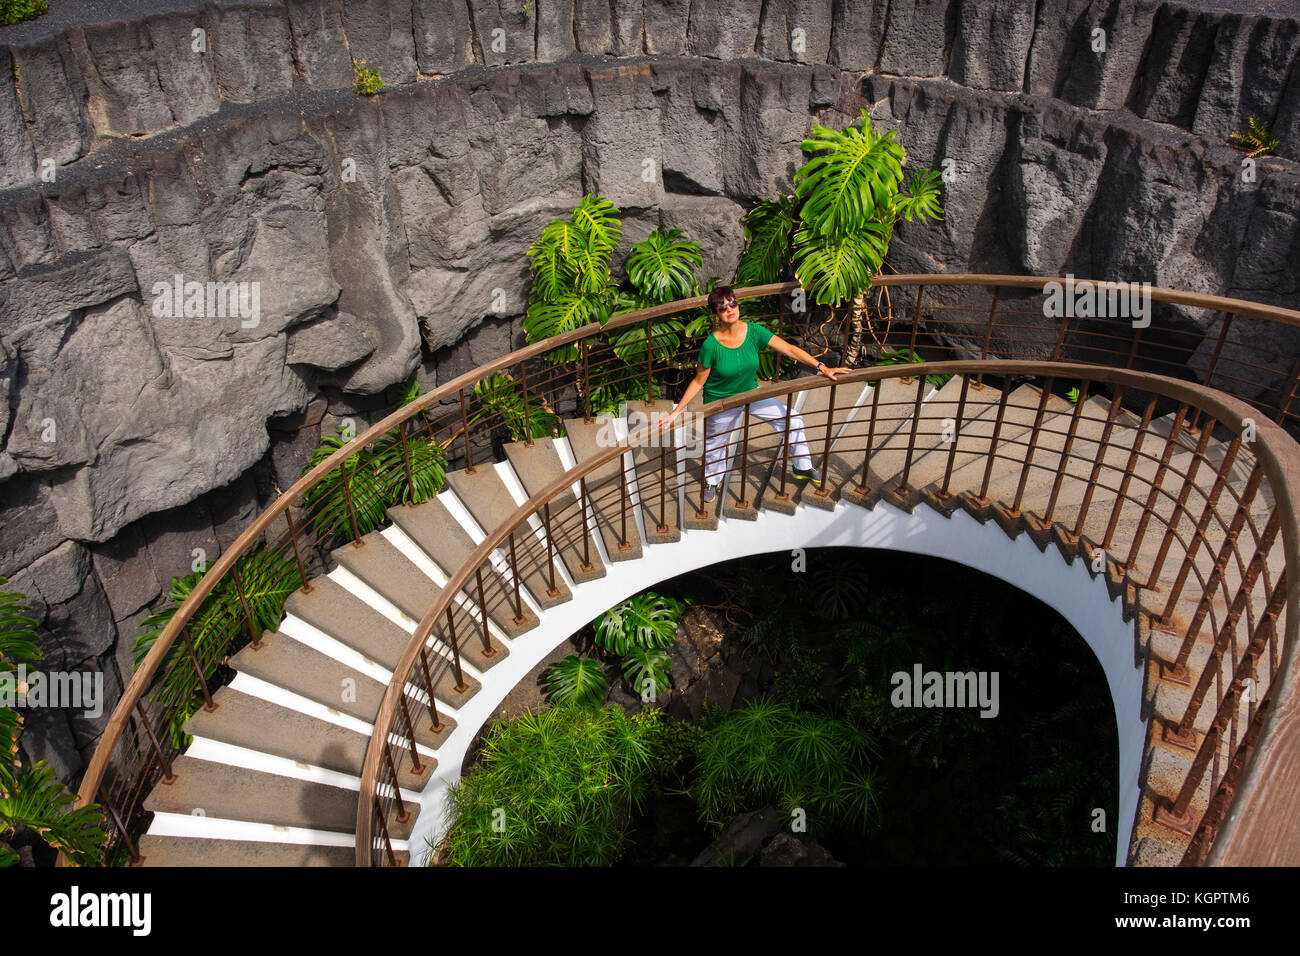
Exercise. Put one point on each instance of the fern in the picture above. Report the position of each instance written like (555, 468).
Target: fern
(1258, 140)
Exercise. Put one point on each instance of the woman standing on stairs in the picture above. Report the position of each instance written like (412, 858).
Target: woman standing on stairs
(727, 365)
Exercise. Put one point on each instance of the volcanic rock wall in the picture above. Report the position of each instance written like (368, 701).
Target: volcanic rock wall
(223, 142)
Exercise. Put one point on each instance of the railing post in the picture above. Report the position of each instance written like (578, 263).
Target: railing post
(388, 844)
(461, 686)
(911, 437)
(528, 419)
(551, 591)
(437, 725)
(916, 320)
(1111, 415)
(649, 359)
(1154, 495)
(983, 496)
(416, 766)
(825, 490)
(297, 554)
(988, 335)
(1084, 388)
(663, 494)
(514, 573)
(203, 683)
(464, 427)
(1139, 439)
(1033, 444)
(121, 828)
(168, 777)
(744, 459)
(586, 380)
(488, 650)
(956, 436)
(871, 438)
(406, 463)
(785, 450)
(402, 815)
(582, 524)
(352, 511)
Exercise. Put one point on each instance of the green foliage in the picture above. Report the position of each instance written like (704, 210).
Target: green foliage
(15, 11)
(767, 229)
(375, 480)
(835, 231)
(557, 788)
(368, 81)
(30, 797)
(576, 681)
(500, 394)
(645, 620)
(268, 578)
(612, 385)
(1258, 140)
(659, 267)
(768, 752)
(570, 264)
(646, 669)
(908, 357)
(1073, 395)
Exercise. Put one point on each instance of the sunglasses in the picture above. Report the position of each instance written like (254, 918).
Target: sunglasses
(725, 305)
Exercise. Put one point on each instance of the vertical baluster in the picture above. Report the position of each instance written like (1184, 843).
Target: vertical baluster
(1288, 396)
(871, 438)
(1033, 444)
(416, 766)
(586, 380)
(436, 726)
(1139, 439)
(744, 460)
(1180, 505)
(956, 435)
(916, 319)
(1111, 415)
(582, 527)
(297, 554)
(983, 496)
(551, 591)
(911, 435)
(649, 359)
(488, 649)
(528, 419)
(464, 425)
(253, 632)
(122, 831)
(352, 511)
(402, 814)
(1156, 482)
(1063, 464)
(461, 686)
(825, 490)
(194, 659)
(514, 574)
(785, 449)
(663, 491)
(154, 744)
(406, 463)
(988, 335)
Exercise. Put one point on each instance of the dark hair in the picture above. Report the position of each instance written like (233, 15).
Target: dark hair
(719, 295)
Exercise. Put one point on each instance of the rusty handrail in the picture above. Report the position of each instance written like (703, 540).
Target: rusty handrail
(143, 678)
(1277, 454)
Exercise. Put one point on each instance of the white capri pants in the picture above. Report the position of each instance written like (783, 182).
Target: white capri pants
(719, 450)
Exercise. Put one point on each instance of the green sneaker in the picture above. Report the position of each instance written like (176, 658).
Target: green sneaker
(811, 474)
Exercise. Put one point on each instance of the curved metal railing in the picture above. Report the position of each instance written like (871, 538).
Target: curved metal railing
(1234, 545)
(468, 418)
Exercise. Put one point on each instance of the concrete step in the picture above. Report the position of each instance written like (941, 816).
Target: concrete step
(256, 724)
(284, 662)
(332, 608)
(251, 796)
(661, 518)
(538, 464)
(485, 495)
(197, 851)
(386, 570)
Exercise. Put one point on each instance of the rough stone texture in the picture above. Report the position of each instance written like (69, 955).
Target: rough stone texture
(380, 230)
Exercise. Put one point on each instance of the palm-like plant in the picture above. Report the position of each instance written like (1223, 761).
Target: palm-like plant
(570, 265)
(576, 681)
(850, 197)
(30, 796)
(646, 671)
(267, 577)
(523, 417)
(645, 620)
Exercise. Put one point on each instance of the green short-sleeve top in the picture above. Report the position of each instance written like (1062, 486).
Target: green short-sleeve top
(733, 368)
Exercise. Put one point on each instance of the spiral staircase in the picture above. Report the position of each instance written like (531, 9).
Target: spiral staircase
(357, 711)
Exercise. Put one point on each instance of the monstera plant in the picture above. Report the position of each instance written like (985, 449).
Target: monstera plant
(834, 232)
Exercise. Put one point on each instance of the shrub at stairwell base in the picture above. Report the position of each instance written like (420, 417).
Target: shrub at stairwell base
(15, 11)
